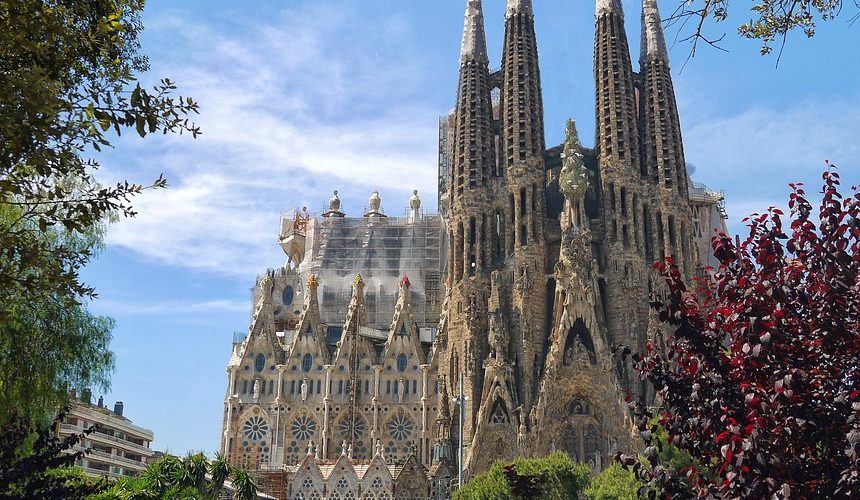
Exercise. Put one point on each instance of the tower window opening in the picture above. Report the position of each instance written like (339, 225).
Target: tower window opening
(307, 363)
(260, 363)
(522, 202)
(401, 363)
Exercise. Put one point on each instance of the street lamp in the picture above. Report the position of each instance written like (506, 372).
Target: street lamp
(460, 401)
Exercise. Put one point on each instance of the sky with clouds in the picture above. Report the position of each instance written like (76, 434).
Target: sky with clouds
(301, 97)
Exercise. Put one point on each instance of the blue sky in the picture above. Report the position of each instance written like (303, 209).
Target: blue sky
(301, 97)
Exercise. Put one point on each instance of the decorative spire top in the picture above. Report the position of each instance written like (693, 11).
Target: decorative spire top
(653, 40)
(334, 202)
(404, 282)
(358, 283)
(334, 207)
(415, 201)
(519, 7)
(609, 6)
(474, 45)
(374, 205)
(573, 178)
(375, 201)
(312, 281)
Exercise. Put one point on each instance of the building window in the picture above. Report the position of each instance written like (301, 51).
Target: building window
(260, 363)
(307, 362)
(401, 363)
(387, 387)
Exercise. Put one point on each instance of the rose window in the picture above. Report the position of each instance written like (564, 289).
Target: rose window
(255, 429)
(357, 431)
(304, 428)
(400, 427)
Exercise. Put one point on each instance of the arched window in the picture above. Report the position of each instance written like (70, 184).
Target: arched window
(260, 362)
(307, 363)
(288, 295)
(401, 363)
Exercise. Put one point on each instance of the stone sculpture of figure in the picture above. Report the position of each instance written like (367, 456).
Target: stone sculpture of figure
(401, 390)
(304, 390)
(568, 356)
(524, 282)
(522, 432)
(256, 391)
(473, 310)
(497, 336)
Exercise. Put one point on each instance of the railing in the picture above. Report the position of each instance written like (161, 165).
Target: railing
(117, 459)
(105, 438)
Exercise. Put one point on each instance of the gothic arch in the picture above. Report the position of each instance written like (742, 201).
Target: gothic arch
(579, 332)
(499, 413)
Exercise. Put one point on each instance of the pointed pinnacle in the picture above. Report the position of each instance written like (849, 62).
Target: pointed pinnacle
(608, 6)
(653, 40)
(474, 45)
(519, 7)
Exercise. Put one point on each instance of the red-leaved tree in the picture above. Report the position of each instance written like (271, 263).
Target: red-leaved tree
(760, 381)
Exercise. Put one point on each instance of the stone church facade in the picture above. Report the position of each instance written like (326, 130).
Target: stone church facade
(536, 268)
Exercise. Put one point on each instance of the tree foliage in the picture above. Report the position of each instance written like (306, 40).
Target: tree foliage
(193, 477)
(555, 476)
(614, 483)
(771, 20)
(47, 345)
(68, 80)
(35, 463)
(761, 379)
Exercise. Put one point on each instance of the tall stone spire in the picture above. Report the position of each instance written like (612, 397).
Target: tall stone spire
(662, 146)
(623, 197)
(617, 134)
(474, 46)
(523, 148)
(473, 153)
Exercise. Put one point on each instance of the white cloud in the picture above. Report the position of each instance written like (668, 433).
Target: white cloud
(754, 155)
(172, 307)
(289, 110)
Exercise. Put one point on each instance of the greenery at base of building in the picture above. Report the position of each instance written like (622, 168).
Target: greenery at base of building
(34, 463)
(556, 476)
(193, 478)
(614, 483)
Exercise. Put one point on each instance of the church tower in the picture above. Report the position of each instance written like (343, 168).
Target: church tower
(662, 149)
(523, 150)
(623, 197)
(473, 164)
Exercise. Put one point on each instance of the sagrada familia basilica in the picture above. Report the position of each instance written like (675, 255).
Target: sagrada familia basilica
(515, 295)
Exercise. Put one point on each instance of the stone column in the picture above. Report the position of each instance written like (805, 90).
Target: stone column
(281, 369)
(326, 405)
